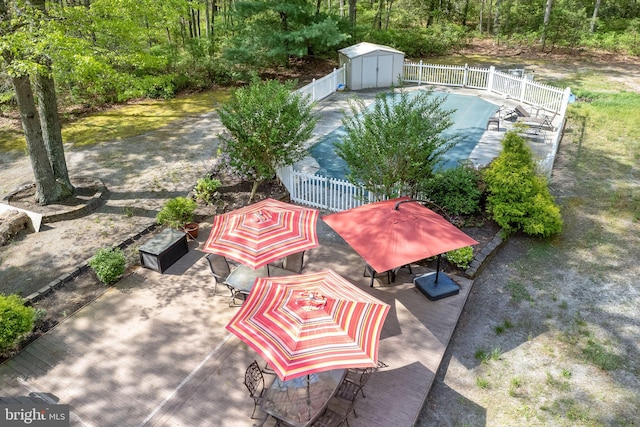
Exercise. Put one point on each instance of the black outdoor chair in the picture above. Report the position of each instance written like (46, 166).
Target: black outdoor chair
(254, 380)
(331, 418)
(351, 387)
(391, 274)
(294, 262)
(220, 270)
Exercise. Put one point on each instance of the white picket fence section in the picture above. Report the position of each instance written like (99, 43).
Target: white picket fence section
(325, 86)
(522, 88)
(323, 192)
(337, 195)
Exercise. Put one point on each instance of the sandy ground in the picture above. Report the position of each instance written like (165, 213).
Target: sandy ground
(551, 332)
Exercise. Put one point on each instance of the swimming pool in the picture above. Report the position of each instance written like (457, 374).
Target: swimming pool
(469, 121)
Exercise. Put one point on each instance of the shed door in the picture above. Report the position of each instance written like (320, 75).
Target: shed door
(369, 71)
(385, 71)
(377, 71)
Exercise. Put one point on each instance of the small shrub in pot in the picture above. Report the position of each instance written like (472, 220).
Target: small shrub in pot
(177, 212)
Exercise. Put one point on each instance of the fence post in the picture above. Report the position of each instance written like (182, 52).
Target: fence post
(492, 70)
(464, 77)
(420, 73)
(524, 88)
(334, 81)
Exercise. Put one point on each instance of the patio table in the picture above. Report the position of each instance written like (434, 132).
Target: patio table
(299, 401)
(242, 278)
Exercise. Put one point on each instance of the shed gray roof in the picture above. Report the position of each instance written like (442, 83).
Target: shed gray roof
(364, 48)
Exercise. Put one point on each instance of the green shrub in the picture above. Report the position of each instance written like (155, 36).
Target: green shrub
(455, 190)
(16, 320)
(462, 257)
(177, 212)
(518, 198)
(206, 188)
(109, 264)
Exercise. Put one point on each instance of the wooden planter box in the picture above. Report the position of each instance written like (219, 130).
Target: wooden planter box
(164, 249)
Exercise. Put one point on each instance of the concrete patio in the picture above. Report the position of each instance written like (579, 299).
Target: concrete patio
(154, 351)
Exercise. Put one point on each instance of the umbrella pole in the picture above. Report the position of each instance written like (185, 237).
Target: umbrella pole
(308, 398)
(437, 268)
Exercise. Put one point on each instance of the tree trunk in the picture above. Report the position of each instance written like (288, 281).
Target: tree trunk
(594, 18)
(496, 20)
(545, 23)
(352, 14)
(465, 12)
(386, 21)
(377, 21)
(47, 188)
(51, 130)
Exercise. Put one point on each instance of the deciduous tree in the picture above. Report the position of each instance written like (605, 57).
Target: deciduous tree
(392, 146)
(23, 57)
(267, 126)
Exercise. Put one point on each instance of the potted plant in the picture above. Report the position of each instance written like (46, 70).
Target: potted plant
(177, 213)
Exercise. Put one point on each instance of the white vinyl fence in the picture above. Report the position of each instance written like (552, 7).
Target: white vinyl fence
(522, 88)
(337, 195)
(323, 192)
(325, 86)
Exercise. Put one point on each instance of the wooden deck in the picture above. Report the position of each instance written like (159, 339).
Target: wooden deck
(154, 350)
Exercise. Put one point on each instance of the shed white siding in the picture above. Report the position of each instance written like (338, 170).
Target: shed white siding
(371, 65)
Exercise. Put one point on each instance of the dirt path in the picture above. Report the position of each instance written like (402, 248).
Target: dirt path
(140, 174)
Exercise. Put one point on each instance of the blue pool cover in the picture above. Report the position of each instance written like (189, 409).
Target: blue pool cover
(469, 122)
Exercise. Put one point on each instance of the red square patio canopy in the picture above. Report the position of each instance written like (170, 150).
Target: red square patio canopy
(396, 232)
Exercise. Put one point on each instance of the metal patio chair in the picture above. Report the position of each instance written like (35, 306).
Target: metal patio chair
(331, 418)
(254, 381)
(219, 269)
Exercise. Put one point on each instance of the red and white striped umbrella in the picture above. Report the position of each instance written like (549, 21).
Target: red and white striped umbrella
(310, 323)
(263, 232)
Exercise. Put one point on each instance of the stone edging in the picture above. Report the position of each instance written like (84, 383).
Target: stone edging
(66, 278)
(75, 212)
(481, 259)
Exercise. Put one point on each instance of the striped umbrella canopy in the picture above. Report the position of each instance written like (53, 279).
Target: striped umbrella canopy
(309, 323)
(263, 232)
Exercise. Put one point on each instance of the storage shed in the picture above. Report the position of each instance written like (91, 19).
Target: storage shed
(371, 65)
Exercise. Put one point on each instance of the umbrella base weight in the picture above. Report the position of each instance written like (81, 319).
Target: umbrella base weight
(435, 291)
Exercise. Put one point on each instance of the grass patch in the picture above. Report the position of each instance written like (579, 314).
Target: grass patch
(485, 356)
(519, 291)
(598, 354)
(125, 121)
(568, 409)
(514, 385)
(501, 328)
(557, 383)
(482, 383)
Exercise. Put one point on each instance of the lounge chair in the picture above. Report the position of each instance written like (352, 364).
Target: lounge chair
(544, 120)
(505, 112)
